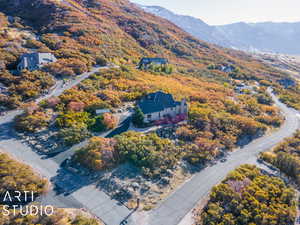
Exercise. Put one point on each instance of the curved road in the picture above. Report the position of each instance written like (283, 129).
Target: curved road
(184, 199)
(80, 192)
(77, 191)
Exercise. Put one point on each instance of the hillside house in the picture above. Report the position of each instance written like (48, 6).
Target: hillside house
(34, 61)
(161, 108)
(227, 68)
(102, 111)
(286, 83)
(3, 89)
(145, 62)
(242, 88)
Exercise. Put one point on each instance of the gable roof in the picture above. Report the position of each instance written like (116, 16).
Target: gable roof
(146, 61)
(156, 102)
(102, 111)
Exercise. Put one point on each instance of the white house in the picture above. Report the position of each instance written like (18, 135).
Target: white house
(160, 106)
(35, 61)
(102, 111)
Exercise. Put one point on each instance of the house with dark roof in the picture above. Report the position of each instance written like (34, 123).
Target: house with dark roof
(145, 62)
(287, 82)
(35, 61)
(161, 108)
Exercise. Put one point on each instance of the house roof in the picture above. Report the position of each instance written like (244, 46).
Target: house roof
(156, 102)
(102, 111)
(153, 60)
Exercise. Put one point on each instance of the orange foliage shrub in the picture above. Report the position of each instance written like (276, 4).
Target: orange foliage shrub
(98, 155)
(67, 67)
(109, 121)
(76, 106)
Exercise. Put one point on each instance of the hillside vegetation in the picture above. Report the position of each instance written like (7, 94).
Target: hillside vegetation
(15, 176)
(218, 118)
(247, 196)
(85, 33)
(286, 157)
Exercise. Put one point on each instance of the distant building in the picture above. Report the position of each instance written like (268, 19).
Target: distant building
(102, 111)
(161, 108)
(223, 67)
(241, 88)
(3, 89)
(227, 68)
(34, 61)
(145, 62)
(287, 82)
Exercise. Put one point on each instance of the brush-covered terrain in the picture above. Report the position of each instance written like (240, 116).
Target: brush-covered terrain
(285, 156)
(85, 33)
(82, 34)
(248, 196)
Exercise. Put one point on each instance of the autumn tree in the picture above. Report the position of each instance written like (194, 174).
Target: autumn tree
(99, 154)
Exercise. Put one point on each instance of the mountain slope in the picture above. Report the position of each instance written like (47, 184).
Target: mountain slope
(194, 26)
(82, 31)
(269, 37)
(114, 29)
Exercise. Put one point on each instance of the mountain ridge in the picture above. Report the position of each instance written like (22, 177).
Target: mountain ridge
(264, 36)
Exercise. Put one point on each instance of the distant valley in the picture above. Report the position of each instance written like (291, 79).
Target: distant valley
(253, 37)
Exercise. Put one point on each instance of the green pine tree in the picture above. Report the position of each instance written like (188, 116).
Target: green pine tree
(138, 117)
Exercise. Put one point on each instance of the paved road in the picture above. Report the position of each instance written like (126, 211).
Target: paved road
(184, 199)
(60, 87)
(77, 191)
(81, 191)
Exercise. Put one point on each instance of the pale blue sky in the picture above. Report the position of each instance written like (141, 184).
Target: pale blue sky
(229, 11)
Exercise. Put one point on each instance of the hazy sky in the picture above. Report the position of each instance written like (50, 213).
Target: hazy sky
(229, 11)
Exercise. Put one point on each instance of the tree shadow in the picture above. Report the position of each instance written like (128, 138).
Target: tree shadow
(123, 127)
(66, 182)
(6, 131)
(247, 139)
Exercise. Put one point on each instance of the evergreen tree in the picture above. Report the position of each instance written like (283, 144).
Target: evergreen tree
(138, 117)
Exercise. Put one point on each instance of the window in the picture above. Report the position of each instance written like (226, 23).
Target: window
(149, 116)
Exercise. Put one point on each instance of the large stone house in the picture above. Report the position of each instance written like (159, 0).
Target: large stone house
(145, 62)
(34, 61)
(161, 108)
